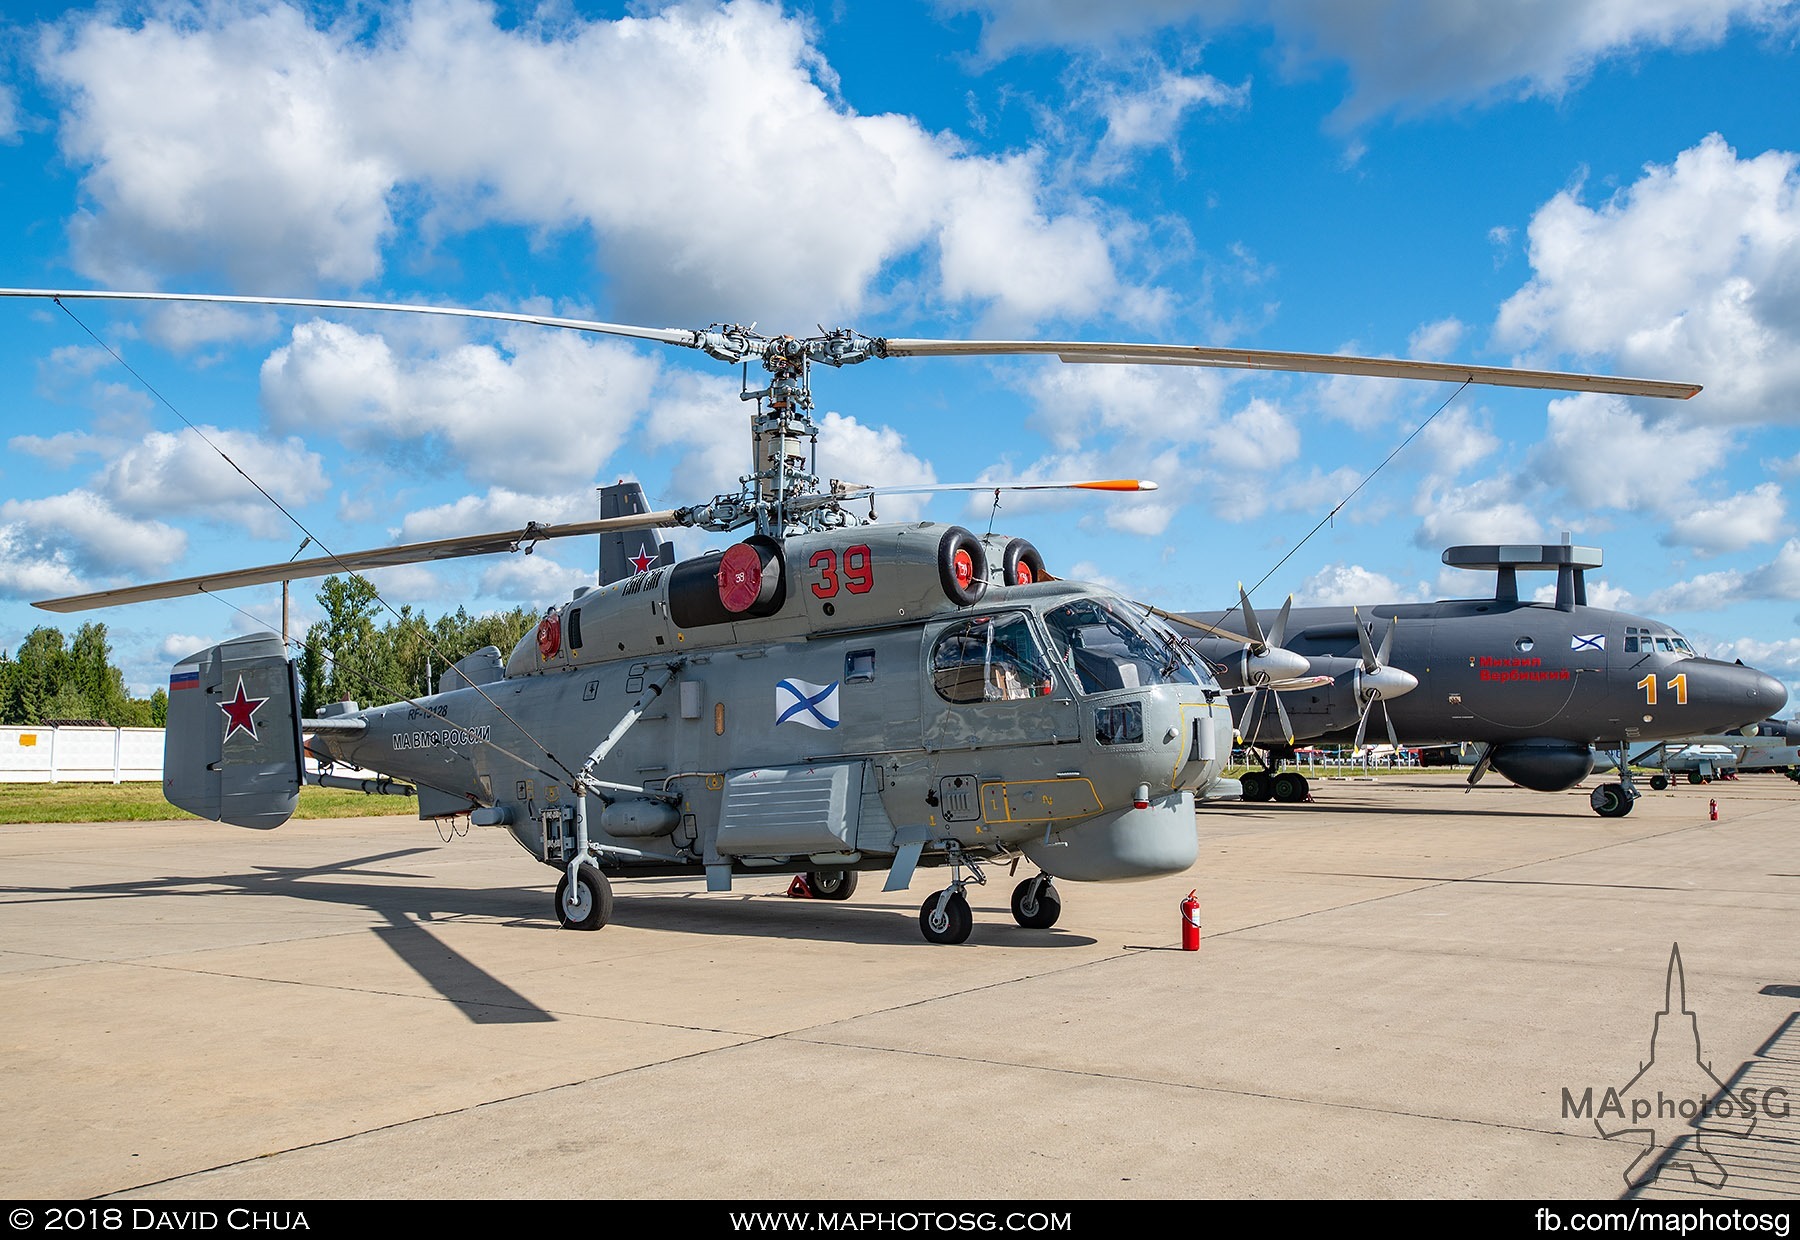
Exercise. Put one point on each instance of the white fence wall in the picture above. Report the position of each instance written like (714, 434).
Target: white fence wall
(80, 755)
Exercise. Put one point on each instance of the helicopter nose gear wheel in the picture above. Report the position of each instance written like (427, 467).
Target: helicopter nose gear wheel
(1036, 904)
(831, 884)
(945, 917)
(587, 903)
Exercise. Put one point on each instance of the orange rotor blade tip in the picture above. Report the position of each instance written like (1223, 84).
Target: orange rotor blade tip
(1118, 484)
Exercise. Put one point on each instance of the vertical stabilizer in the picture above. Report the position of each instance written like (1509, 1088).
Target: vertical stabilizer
(232, 747)
(625, 553)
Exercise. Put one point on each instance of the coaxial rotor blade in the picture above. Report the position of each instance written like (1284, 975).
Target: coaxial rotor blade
(846, 347)
(356, 561)
(1263, 359)
(1190, 622)
(663, 335)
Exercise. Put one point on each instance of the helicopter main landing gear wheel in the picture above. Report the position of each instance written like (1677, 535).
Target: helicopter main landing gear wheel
(1036, 904)
(945, 917)
(831, 884)
(587, 906)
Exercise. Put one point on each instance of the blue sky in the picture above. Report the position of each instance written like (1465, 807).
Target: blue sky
(1587, 184)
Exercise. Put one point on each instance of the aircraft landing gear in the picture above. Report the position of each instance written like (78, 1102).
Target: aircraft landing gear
(1659, 782)
(832, 884)
(1615, 800)
(1289, 786)
(588, 904)
(945, 917)
(1035, 903)
(1285, 786)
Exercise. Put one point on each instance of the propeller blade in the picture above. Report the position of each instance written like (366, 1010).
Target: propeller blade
(1362, 724)
(1258, 642)
(356, 561)
(1277, 633)
(1393, 737)
(1369, 662)
(1287, 728)
(1387, 641)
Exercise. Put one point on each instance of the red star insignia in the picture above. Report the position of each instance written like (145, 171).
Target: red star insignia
(240, 712)
(642, 561)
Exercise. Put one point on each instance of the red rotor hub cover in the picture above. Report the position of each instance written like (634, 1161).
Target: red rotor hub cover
(740, 578)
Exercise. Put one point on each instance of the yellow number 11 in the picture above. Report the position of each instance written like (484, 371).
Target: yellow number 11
(1677, 683)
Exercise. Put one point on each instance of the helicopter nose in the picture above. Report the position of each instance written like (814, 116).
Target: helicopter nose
(1731, 695)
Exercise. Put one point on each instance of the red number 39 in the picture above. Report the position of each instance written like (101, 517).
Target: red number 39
(858, 571)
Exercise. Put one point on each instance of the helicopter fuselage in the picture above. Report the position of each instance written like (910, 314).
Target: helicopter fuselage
(839, 701)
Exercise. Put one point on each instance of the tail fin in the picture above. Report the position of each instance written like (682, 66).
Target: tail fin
(628, 552)
(232, 751)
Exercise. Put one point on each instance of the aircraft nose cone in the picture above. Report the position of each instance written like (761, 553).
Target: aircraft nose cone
(1731, 695)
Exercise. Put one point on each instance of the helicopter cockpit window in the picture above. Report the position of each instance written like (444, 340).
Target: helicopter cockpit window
(989, 659)
(1107, 648)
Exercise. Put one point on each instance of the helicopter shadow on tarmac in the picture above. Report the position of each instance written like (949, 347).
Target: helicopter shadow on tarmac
(772, 914)
(408, 911)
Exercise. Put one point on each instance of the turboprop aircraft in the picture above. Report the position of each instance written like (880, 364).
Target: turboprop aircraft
(826, 695)
(1539, 686)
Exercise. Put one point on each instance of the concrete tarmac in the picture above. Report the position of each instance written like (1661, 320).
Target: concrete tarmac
(1401, 990)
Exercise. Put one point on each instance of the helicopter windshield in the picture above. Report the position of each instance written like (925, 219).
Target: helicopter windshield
(1105, 648)
(990, 659)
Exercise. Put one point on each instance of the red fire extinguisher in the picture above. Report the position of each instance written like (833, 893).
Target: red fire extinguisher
(1190, 923)
(1713, 809)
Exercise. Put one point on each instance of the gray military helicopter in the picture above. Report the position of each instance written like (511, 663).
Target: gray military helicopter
(1540, 686)
(826, 696)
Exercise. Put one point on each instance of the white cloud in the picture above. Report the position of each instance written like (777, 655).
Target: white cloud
(1603, 453)
(1486, 511)
(1408, 55)
(498, 509)
(169, 474)
(9, 114)
(82, 528)
(1731, 524)
(1456, 440)
(255, 145)
(1353, 585)
(62, 449)
(30, 569)
(1692, 272)
(1149, 113)
(1778, 579)
(1436, 340)
(546, 413)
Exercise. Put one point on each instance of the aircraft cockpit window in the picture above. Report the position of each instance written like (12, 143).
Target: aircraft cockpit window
(1665, 645)
(1106, 648)
(1681, 645)
(990, 659)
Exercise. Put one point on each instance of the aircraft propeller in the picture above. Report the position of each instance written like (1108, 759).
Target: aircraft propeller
(1377, 681)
